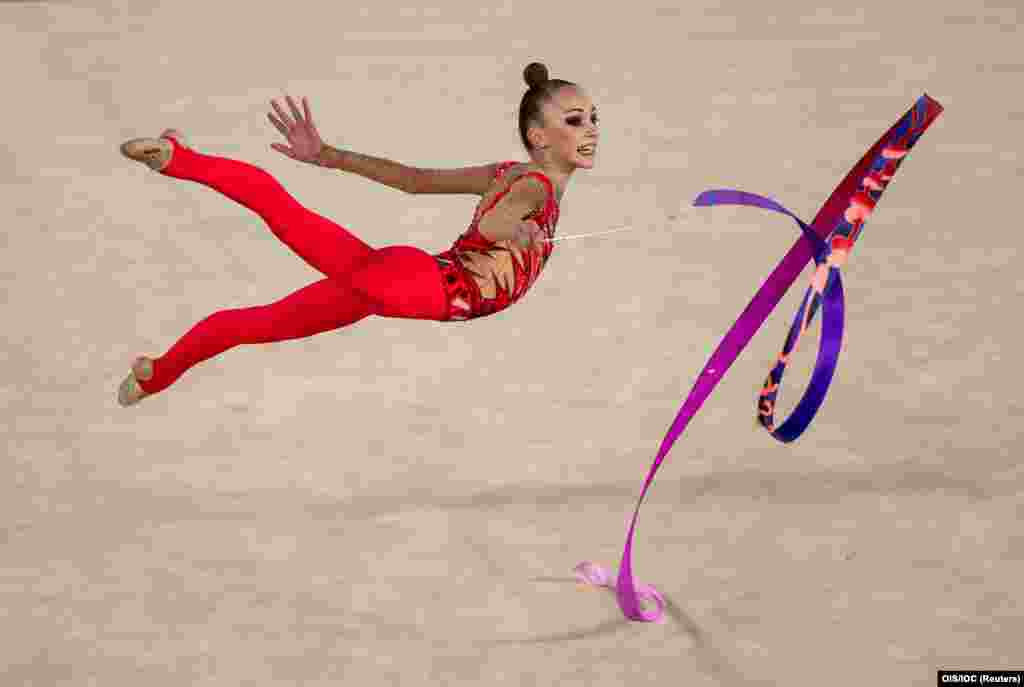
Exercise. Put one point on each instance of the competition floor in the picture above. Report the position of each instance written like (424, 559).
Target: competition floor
(402, 503)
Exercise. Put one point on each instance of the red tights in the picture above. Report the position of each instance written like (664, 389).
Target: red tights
(398, 281)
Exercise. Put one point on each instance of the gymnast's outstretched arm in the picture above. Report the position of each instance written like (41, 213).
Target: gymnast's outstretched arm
(306, 145)
(473, 180)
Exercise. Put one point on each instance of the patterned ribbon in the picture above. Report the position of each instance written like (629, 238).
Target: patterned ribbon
(828, 241)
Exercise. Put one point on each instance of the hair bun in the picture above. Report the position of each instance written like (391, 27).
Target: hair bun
(535, 74)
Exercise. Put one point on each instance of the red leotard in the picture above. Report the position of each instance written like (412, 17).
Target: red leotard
(463, 285)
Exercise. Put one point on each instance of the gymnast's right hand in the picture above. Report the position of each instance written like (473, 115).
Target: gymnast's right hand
(304, 142)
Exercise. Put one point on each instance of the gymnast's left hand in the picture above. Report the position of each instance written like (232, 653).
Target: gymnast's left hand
(527, 232)
(304, 142)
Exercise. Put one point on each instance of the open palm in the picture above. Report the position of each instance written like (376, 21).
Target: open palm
(304, 142)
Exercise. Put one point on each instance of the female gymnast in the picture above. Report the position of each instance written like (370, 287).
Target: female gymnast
(489, 267)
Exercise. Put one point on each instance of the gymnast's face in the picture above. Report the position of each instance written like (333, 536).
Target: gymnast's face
(570, 128)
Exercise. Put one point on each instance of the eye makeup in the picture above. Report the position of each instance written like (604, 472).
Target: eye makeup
(577, 120)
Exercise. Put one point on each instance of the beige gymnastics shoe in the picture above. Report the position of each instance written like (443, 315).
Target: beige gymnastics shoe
(130, 392)
(155, 153)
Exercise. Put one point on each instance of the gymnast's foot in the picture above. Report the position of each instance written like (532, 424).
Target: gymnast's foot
(155, 153)
(130, 392)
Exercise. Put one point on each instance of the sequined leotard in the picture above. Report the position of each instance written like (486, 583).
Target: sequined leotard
(475, 265)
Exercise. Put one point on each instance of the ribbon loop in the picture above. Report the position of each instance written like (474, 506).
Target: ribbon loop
(824, 369)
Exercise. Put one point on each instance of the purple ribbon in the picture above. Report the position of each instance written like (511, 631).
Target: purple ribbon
(841, 217)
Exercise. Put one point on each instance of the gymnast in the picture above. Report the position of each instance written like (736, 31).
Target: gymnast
(488, 268)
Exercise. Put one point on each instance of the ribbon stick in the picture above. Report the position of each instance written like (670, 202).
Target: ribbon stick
(583, 236)
(828, 241)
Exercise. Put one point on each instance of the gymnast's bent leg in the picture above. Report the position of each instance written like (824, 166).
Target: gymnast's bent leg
(398, 282)
(392, 282)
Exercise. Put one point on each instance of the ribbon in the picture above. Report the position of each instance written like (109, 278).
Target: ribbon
(828, 241)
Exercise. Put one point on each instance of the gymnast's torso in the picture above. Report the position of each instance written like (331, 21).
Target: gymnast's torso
(481, 276)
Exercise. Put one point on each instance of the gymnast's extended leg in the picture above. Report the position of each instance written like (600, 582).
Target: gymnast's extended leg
(400, 281)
